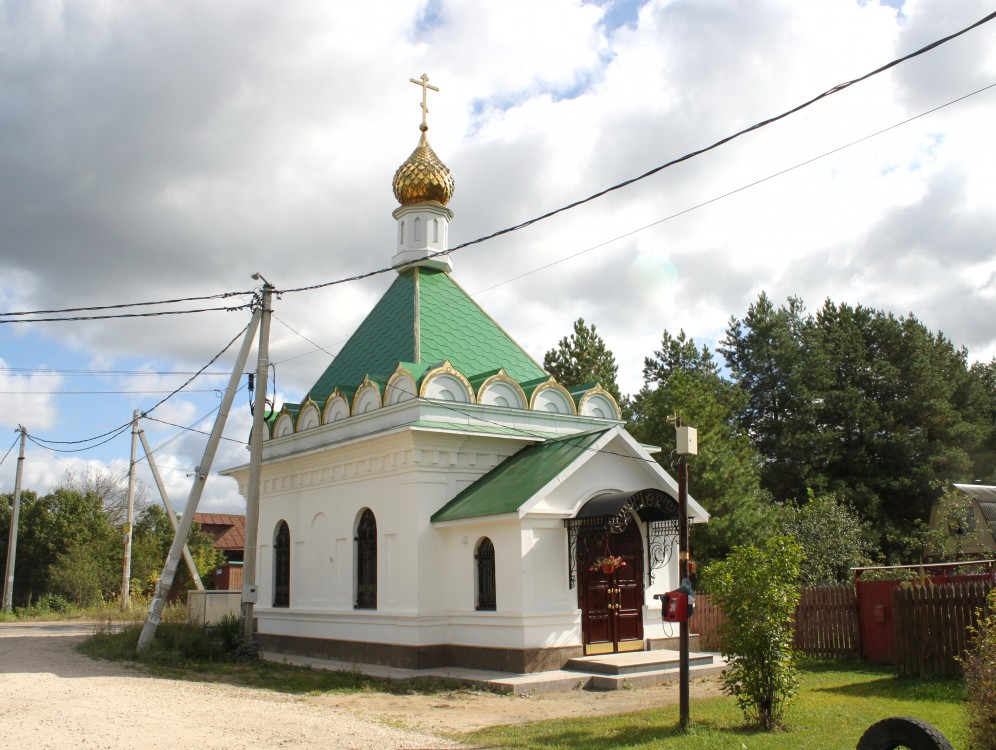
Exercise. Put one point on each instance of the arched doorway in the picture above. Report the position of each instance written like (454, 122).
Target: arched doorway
(612, 602)
(639, 526)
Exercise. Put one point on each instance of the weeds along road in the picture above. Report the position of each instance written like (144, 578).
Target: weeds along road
(53, 697)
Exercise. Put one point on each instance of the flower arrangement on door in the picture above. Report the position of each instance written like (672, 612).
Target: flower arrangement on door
(607, 563)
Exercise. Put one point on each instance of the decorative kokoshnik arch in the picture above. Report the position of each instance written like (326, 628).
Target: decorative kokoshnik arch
(612, 513)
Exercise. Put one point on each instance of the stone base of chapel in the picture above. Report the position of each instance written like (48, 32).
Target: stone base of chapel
(518, 661)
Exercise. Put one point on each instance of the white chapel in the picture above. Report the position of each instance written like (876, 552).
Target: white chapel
(438, 499)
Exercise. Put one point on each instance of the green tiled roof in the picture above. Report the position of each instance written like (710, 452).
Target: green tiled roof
(506, 487)
(425, 318)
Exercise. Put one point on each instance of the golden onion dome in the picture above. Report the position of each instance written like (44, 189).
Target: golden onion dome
(423, 177)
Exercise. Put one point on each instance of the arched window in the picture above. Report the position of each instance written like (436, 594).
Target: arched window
(366, 561)
(485, 559)
(281, 565)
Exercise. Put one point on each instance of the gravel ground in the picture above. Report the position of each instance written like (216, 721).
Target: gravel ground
(53, 697)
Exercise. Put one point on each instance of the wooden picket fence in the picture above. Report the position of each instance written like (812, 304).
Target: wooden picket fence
(826, 622)
(932, 625)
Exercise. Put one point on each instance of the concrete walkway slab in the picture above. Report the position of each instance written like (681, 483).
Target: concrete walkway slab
(606, 672)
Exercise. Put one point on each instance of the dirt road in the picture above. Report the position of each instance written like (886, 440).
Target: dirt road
(53, 697)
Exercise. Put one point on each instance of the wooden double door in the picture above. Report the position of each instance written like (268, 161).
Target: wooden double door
(612, 603)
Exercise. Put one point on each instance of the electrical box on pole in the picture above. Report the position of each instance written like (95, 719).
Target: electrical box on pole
(687, 439)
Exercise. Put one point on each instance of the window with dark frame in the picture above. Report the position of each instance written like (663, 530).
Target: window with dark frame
(366, 561)
(487, 600)
(281, 566)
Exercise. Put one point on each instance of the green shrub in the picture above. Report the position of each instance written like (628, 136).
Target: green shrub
(758, 589)
(979, 664)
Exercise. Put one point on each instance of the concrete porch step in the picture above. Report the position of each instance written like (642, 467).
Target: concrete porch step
(635, 662)
(655, 672)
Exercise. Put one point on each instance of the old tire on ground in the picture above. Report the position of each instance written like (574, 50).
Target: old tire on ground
(905, 732)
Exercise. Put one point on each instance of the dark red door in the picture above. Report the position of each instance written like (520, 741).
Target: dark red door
(612, 603)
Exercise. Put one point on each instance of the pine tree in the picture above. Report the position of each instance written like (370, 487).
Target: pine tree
(583, 358)
(682, 379)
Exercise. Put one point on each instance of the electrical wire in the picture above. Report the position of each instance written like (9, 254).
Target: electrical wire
(9, 450)
(56, 372)
(78, 318)
(681, 212)
(292, 330)
(690, 155)
(126, 425)
(101, 393)
(738, 190)
(222, 295)
(191, 429)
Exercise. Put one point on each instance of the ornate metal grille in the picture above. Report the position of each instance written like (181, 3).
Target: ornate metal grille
(485, 557)
(650, 505)
(281, 566)
(366, 561)
(662, 538)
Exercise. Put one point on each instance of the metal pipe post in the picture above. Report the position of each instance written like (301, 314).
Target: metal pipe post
(255, 466)
(683, 662)
(196, 490)
(8, 584)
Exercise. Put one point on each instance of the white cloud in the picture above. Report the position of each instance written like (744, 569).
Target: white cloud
(160, 151)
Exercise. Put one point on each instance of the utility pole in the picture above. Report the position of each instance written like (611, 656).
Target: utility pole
(196, 490)
(687, 445)
(126, 572)
(8, 584)
(187, 557)
(256, 463)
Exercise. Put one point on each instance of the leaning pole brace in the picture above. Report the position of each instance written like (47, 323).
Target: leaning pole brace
(200, 477)
(187, 557)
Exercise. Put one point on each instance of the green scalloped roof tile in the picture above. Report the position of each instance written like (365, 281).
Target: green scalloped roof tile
(580, 390)
(384, 338)
(454, 327)
(510, 484)
(450, 326)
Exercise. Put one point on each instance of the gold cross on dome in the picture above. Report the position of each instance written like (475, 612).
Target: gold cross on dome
(423, 81)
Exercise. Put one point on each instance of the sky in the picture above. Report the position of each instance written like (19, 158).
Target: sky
(162, 150)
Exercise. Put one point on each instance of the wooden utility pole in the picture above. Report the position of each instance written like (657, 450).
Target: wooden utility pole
(196, 490)
(256, 464)
(8, 584)
(126, 571)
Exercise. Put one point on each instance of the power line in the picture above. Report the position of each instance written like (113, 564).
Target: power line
(101, 393)
(9, 450)
(116, 433)
(56, 372)
(78, 318)
(681, 212)
(292, 330)
(738, 190)
(690, 155)
(127, 425)
(223, 295)
(190, 429)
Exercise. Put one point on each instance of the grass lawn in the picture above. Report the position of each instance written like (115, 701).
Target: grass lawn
(836, 704)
